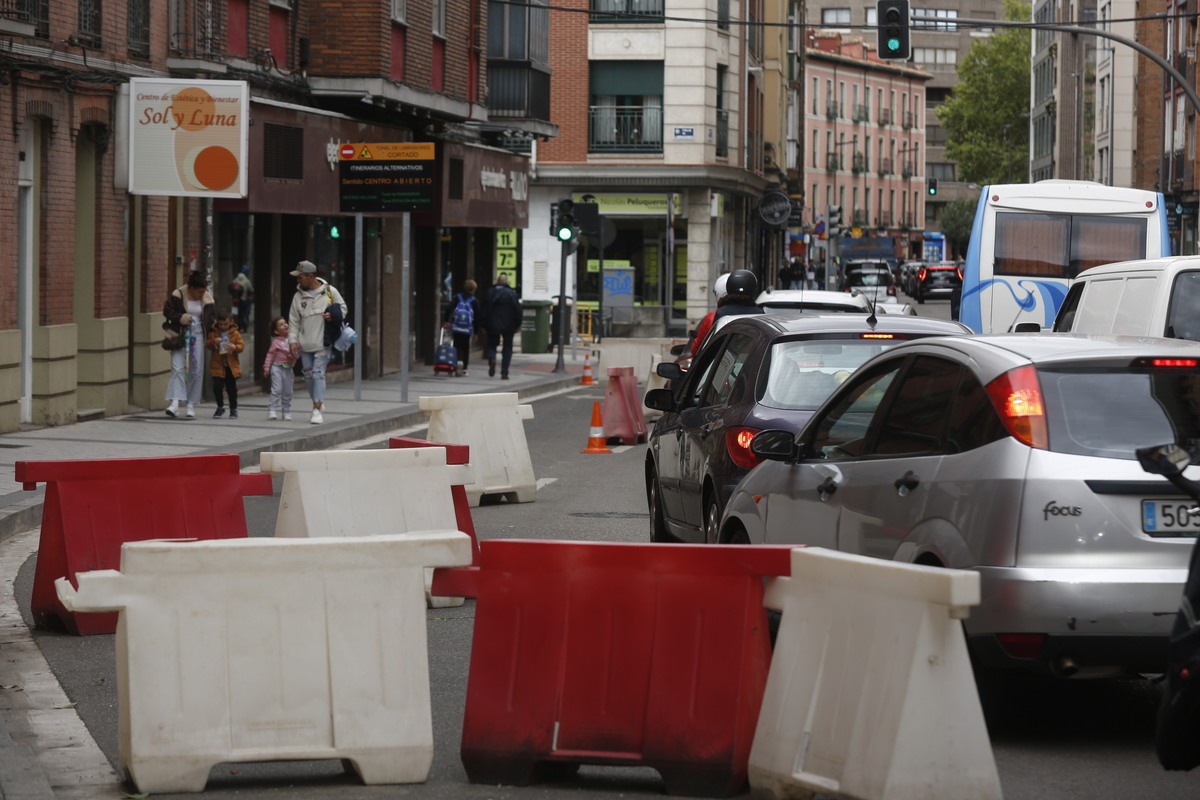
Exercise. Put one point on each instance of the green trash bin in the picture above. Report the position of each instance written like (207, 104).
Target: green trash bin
(535, 326)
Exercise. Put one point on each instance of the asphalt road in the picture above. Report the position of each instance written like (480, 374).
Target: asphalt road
(1087, 740)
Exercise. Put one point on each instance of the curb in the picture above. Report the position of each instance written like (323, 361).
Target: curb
(26, 514)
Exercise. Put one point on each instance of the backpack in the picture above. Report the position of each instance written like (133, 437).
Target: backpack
(463, 319)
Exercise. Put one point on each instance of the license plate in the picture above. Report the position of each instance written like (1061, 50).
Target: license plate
(1170, 518)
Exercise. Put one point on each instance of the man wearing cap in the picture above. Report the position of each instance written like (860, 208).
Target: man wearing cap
(314, 322)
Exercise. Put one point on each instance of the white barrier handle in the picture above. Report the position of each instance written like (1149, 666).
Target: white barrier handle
(99, 590)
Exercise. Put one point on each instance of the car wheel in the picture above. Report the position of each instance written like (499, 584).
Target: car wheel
(658, 522)
(712, 518)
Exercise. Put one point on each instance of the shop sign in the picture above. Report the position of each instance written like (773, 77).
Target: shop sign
(775, 208)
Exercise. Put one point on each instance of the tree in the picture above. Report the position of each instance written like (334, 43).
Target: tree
(956, 220)
(987, 116)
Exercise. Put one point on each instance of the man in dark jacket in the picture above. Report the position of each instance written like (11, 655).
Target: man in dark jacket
(501, 319)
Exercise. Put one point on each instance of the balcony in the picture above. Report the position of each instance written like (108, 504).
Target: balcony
(907, 124)
(832, 162)
(517, 90)
(885, 166)
(860, 218)
(831, 110)
(625, 129)
(637, 12)
(885, 116)
(722, 133)
(859, 165)
(862, 113)
(907, 170)
(883, 221)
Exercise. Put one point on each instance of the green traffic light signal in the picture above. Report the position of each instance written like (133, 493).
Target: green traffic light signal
(334, 233)
(565, 233)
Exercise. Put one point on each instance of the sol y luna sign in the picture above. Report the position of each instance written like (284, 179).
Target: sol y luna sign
(188, 138)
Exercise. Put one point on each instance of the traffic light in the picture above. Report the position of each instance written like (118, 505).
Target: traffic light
(834, 218)
(334, 233)
(564, 221)
(932, 186)
(891, 29)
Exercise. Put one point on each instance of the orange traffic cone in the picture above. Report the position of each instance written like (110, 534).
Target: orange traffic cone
(596, 442)
(587, 371)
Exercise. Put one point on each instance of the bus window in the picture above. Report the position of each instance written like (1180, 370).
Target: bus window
(1032, 244)
(1105, 240)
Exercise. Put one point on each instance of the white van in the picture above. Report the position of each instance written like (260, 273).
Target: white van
(1151, 297)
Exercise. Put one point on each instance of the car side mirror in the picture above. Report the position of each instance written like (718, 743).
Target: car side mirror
(774, 445)
(660, 399)
(1164, 459)
(1027, 327)
(677, 349)
(669, 370)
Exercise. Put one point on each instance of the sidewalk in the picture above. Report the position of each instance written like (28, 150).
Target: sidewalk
(153, 434)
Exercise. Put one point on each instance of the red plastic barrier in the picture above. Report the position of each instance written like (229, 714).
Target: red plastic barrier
(455, 454)
(93, 507)
(619, 654)
(624, 419)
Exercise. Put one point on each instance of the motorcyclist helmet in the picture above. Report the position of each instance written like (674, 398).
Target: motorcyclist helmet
(742, 281)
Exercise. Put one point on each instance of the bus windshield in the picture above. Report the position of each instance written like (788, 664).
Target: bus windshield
(1063, 245)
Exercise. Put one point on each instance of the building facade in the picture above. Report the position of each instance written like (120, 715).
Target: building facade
(661, 114)
(864, 121)
(90, 263)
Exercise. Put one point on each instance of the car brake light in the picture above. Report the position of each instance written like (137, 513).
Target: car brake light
(891, 291)
(737, 442)
(1022, 645)
(1167, 363)
(1017, 397)
(959, 271)
(877, 336)
(921, 274)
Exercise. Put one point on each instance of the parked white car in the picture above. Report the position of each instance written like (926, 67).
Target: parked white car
(1152, 297)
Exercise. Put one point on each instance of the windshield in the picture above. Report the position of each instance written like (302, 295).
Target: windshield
(1112, 413)
(804, 372)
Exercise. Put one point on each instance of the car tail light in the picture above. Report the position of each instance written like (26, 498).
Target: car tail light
(921, 275)
(1166, 363)
(959, 271)
(891, 291)
(879, 336)
(1017, 396)
(1022, 645)
(737, 442)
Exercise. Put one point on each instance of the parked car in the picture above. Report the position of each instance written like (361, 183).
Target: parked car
(860, 264)
(877, 286)
(937, 279)
(1154, 297)
(819, 300)
(756, 372)
(1010, 454)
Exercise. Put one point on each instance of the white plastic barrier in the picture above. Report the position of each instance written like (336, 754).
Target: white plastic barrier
(269, 650)
(871, 693)
(491, 425)
(368, 493)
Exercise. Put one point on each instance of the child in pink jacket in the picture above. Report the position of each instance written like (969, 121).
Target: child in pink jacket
(278, 367)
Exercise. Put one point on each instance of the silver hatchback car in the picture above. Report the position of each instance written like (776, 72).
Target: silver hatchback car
(1013, 455)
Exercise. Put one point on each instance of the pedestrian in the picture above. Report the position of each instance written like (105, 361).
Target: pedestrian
(314, 324)
(786, 276)
(460, 319)
(797, 273)
(241, 292)
(810, 277)
(189, 312)
(501, 320)
(278, 366)
(706, 324)
(225, 342)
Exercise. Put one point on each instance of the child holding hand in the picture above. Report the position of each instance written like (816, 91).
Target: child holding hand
(278, 367)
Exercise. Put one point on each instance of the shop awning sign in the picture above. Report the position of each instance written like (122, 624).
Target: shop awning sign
(381, 177)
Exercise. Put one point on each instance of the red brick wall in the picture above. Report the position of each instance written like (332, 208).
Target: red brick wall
(569, 98)
(1148, 131)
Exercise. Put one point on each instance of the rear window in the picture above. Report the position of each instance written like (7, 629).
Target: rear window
(1111, 413)
(870, 279)
(802, 373)
(1064, 245)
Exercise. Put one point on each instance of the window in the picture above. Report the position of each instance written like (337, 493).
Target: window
(803, 372)
(635, 11)
(91, 16)
(842, 433)
(626, 106)
(941, 14)
(915, 422)
(283, 152)
(727, 368)
(1062, 245)
(400, 11)
(519, 32)
(835, 16)
(937, 58)
(439, 18)
(871, 17)
(137, 29)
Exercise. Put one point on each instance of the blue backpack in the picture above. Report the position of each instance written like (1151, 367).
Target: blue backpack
(463, 320)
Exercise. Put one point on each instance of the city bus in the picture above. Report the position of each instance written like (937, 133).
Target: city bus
(1029, 240)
